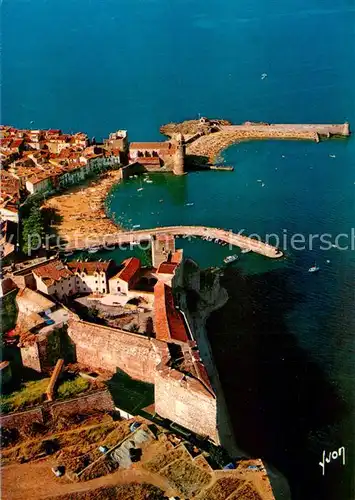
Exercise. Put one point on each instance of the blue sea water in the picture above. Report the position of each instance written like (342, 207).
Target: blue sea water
(102, 65)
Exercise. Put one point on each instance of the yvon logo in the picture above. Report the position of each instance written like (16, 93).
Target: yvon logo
(333, 455)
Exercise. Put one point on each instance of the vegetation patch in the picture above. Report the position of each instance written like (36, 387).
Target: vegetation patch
(8, 312)
(75, 448)
(71, 388)
(31, 394)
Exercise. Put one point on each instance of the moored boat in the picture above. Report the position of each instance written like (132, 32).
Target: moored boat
(93, 249)
(314, 269)
(230, 259)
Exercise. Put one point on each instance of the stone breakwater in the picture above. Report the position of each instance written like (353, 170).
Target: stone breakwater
(210, 143)
(126, 237)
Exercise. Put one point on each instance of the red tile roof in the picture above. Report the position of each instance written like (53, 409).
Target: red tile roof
(89, 267)
(150, 145)
(54, 271)
(148, 160)
(177, 256)
(131, 267)
(167, 268)
(7, 285)
(16, 143)
(168, 322)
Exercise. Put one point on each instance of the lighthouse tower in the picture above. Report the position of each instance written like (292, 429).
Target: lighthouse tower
(179, 159)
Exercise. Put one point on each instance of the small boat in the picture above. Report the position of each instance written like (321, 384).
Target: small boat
(140, 189)
(263, 76)
(68, 254)
(314, 269)
(189, 204)
(262, 185)
(136, 226)
(259, 180)
(93, 249)
(332, 156)
(246, 250)
(149, 181)
(230, 259)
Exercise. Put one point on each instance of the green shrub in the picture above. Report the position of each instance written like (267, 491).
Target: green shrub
(71, 388)
(31, 394)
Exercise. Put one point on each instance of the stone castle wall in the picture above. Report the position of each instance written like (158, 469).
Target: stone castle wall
(185, 401)
(90, 403)
(180, 398)
(86, 404)
(98, 346)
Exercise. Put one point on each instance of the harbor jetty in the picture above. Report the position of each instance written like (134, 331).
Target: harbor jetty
(207, 138)
(211, 233)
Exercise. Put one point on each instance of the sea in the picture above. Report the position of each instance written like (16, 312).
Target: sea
(285, 342)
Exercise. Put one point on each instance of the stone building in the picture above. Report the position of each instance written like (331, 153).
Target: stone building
(55, 278)
(127, 277)
(92, 277)
(163, 247)
(118, 140)
(179, 160)
(155, 155)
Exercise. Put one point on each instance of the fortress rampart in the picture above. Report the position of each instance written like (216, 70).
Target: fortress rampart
(184, 398)
(178, 396)
(102, 347)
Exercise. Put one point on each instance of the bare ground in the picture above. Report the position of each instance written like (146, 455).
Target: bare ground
(36, 480)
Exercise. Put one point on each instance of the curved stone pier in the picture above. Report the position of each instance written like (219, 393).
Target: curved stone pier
(229, 237)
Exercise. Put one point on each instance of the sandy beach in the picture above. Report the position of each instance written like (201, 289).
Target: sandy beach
(81, 211)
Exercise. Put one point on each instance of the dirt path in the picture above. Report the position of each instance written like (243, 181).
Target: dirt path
(36, 481)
